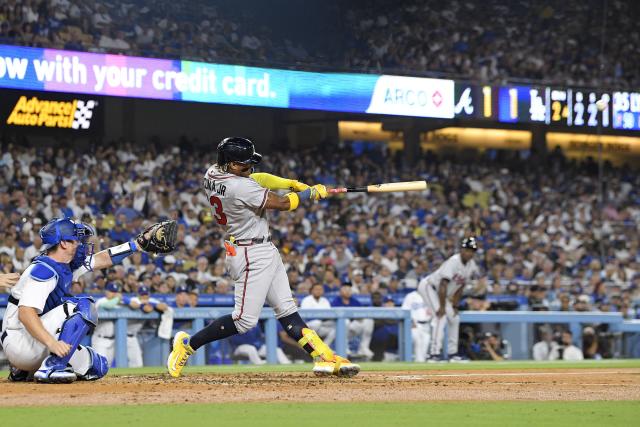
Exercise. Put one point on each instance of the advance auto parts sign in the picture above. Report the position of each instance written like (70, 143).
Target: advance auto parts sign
(47, 111)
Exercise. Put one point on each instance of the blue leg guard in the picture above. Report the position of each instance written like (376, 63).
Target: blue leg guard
(78, 324)
(99, 366)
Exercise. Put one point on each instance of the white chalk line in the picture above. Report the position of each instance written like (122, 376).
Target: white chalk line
(559, 384)
(503, 374)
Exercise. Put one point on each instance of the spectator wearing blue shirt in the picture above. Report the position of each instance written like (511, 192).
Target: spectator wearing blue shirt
(127, 209)
(118, 234)
(358, 328)
(182, 297)
(64, 208)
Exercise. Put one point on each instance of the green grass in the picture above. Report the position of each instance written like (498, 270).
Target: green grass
(491, 413)
(396, 366)
(565, 414)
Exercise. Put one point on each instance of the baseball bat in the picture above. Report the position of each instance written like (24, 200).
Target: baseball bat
(388, 187)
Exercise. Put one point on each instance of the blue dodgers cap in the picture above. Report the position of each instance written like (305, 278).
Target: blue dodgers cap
(182, 288)
(112, 287)
(143, 290)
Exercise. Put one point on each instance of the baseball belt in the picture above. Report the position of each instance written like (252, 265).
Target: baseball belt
(254, 241)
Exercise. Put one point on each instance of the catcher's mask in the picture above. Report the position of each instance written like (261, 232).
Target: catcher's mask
(65, 229)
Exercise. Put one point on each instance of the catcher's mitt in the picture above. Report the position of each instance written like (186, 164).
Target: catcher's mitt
(159, 238)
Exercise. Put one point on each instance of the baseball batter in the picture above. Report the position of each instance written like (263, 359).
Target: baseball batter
(239, 201)
(441, 291)
(44, 324)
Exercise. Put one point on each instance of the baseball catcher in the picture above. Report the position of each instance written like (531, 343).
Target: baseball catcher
(44, 324)
(239, 200)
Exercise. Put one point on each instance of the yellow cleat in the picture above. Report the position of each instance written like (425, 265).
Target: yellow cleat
(179, 354)
(340, 367)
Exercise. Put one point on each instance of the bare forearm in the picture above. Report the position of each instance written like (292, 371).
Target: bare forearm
(494, 355)
(276, 202)
(442, 293)
(102, 260)
(291, 201)
(455, 300)
(32, 323)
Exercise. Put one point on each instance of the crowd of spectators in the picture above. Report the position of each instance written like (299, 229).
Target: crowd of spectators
(491, 40)
(547, 241)
(496, 40)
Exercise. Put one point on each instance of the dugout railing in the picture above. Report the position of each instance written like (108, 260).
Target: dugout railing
(200, 315)
(515, 326)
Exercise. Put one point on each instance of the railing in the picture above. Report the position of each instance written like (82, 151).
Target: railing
(515, 326)
(198, 316)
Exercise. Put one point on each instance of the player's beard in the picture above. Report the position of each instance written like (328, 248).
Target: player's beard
(246, 171)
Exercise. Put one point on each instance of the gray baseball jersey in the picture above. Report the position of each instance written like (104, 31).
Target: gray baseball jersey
(455, 272)
(237, 204)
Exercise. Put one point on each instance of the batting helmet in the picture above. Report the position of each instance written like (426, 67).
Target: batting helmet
(470, 243)
(237, 149)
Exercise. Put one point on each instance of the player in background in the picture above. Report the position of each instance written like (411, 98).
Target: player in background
(239, 200)
(146, 304)
(103, 338)
(421, 316)
(442, 291)
(44, 324)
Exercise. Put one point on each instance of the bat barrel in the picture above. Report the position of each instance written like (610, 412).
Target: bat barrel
(388, 187)
(391, 187)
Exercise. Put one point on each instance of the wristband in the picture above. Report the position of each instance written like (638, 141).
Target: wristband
(120, 252)
(305, 195)
(294, 200)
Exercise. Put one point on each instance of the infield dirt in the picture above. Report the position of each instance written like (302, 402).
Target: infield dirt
(398, 386)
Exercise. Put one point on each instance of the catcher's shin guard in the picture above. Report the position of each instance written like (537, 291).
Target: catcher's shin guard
(79, 323)
(327, 362)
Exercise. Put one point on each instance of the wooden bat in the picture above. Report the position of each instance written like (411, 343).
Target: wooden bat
(388, 187)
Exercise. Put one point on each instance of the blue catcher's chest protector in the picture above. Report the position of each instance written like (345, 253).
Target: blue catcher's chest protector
(64, 277)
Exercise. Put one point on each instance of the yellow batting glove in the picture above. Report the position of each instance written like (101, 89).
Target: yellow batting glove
(318, 192)
(298, 186)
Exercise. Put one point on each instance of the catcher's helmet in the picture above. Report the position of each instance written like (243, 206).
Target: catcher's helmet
(63, 229)
(237, 149)
(470, 243)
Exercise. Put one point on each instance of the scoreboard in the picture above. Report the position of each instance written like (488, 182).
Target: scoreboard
(626, 110)
(574, 108)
